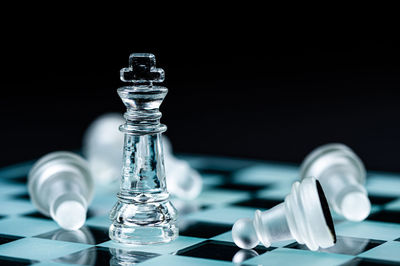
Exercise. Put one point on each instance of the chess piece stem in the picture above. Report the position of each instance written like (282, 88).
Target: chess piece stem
(143, 213)
(342, 175)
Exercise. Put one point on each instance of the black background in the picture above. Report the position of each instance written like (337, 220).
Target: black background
(267, 96)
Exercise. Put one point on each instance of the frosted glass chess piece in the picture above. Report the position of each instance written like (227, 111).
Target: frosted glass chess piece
(304, 216)
(143, 213)
(60, 185)
(102, 146)
(182, 180)
(342, 175)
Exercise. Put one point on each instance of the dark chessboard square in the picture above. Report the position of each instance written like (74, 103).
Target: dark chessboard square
(203, 229)
(369, 262)
(7, 238)
(37, 215)
(219, 250)
(11, 261)
(204, 207)
(86, 235)
(17, 180)
(345, 245)
(381, 200)
(258, 203)
(129, 257)
(386, 216)
(242, 187)
(225, 173)
(23, 196)
(90, 256)
(106, 256)
(224, 166)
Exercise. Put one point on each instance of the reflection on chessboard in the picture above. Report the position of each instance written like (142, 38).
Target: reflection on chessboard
(233, 189)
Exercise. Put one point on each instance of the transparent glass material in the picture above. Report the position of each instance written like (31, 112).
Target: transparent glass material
(143, 213)
(342, 175)
(303, 216)
(61, 186)
(103, 145)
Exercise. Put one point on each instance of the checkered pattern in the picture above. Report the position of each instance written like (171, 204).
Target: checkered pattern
(233, 189)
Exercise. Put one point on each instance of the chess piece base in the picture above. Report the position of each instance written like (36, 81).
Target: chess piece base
(143, 223)
(342, 175)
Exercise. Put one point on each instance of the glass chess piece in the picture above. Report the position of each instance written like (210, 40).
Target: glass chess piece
(304, 216)
(342, 175)
(182, 180)
(60, 185)
(143, 213)
(102, 146)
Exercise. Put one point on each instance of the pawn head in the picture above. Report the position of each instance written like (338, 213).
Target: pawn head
(244, 234)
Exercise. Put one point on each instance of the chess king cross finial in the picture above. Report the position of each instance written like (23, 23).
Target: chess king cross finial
(142, 69)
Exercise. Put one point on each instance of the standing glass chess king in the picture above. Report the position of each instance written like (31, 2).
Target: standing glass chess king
(143, 213)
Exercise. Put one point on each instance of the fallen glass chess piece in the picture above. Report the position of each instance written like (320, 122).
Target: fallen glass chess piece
(304, 216)
(61, 186)
(342, 176)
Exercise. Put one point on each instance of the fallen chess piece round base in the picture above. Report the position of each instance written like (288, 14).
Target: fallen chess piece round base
(342, 175)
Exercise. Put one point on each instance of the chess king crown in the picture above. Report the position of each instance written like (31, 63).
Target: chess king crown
(142, 98)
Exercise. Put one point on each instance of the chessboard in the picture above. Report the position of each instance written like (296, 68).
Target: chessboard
(233, 188)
